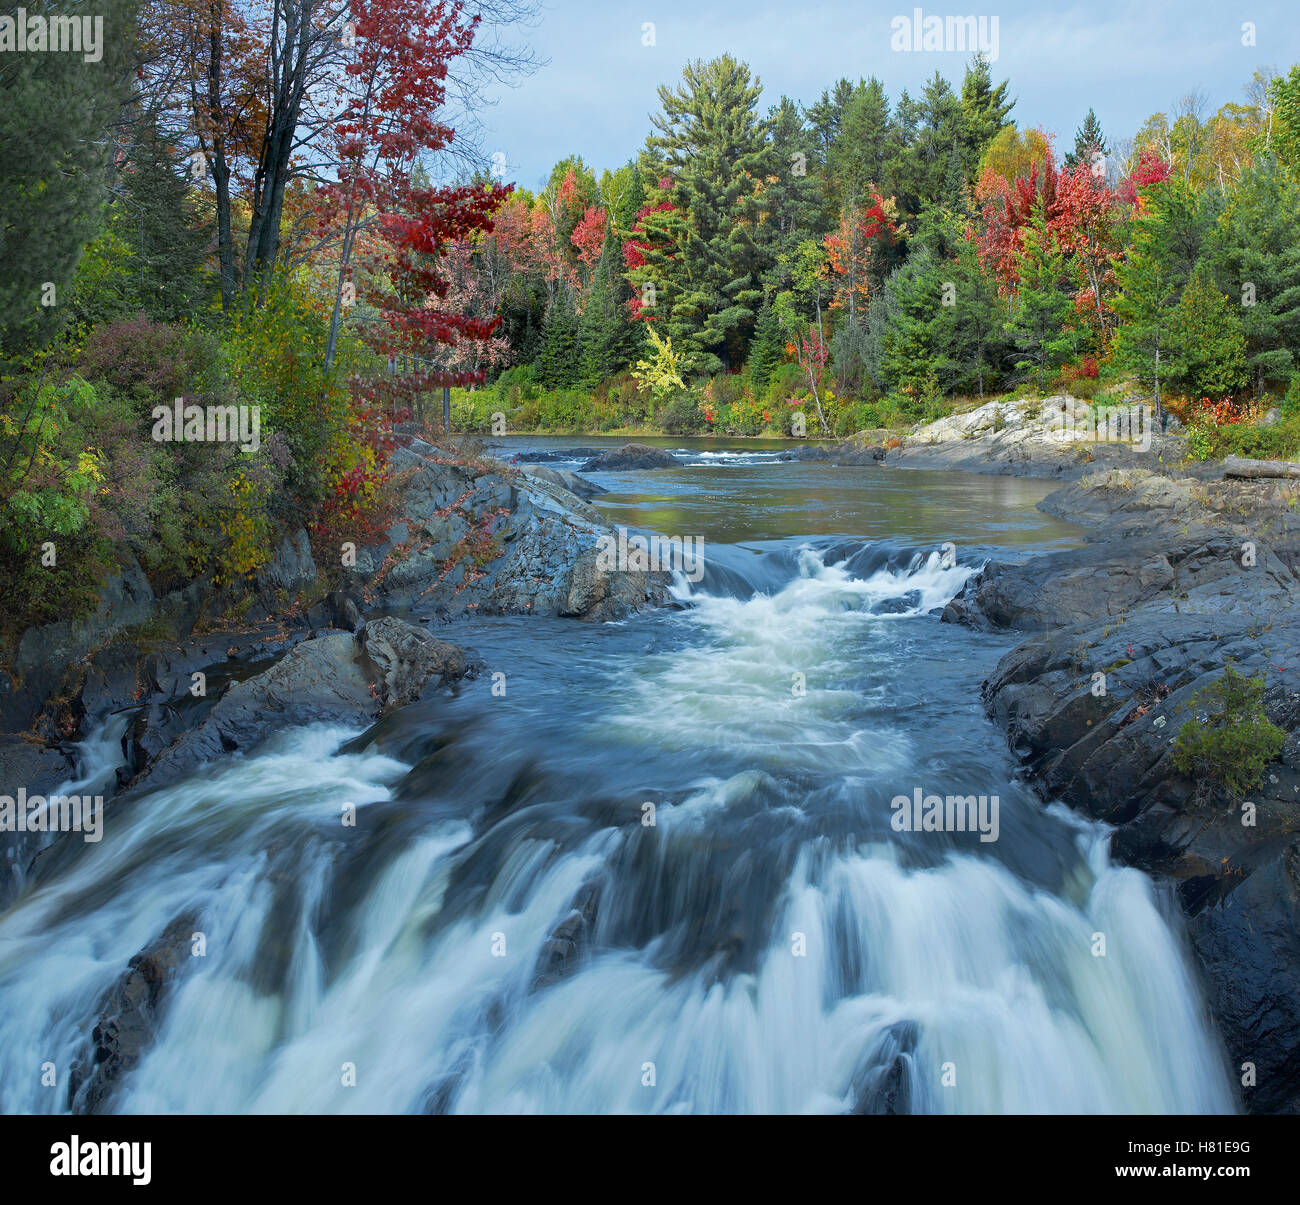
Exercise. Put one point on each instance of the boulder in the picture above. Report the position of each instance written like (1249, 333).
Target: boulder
(291, 569)
(336, 677)
(563, 479)
(475, 540)
(129, 1018)
(631, 456)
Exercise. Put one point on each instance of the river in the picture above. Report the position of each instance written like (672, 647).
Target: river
(648, 866)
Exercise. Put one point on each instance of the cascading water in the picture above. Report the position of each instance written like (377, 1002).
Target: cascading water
(506, 930)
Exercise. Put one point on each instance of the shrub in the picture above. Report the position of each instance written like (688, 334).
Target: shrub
(681, 415)
(150, 360)
(1235, 740)
(518, 384)
(1291, 400)
(787, 381)
(1278, 442)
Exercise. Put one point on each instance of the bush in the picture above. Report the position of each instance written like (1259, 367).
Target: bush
(153, 361)
(1235, 740)
(518, 384)
(1291, 400)
(681, 415)
(725, 390)
(1278, 442)
(787, 381)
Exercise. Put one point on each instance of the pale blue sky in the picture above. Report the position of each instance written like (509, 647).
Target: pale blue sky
(1125, 59)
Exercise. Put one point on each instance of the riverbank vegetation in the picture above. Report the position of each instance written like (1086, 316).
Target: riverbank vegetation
(245, 207)
(872, 262)
(318, 248)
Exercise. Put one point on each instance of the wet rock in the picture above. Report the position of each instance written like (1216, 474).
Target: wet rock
(291, 569)
(882, 1084)
(578, 486)
(563, 950)
(405, 661)
(631, 456)
(45, 654)
(1131, 628)
(130, 1016)
(337, 677)
(39, 768)
(805, 454)
(545, 457)
(1173, 573)
(479, 541)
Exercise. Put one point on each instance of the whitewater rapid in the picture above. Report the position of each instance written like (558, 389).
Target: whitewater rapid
(766, 944)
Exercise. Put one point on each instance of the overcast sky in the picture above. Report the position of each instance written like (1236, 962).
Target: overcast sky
(1125, 58)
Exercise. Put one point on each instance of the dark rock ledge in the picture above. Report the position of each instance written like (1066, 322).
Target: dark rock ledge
(1178, 578)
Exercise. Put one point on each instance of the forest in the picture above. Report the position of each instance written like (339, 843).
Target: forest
(285, 208)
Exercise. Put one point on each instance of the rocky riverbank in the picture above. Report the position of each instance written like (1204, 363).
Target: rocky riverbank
(205, 671)
(1178, 579)
(1051, 438)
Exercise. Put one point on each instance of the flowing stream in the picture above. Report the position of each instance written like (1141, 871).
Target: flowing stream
(505, 930)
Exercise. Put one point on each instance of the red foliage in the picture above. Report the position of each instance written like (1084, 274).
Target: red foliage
(1008, 209)
(1151, 169)
(589, 235)
(415, 239)
(851, 250)
(1086, 369)
(635, 247)
(1223, 413)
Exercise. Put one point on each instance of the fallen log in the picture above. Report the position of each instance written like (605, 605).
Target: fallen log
(1240, 466)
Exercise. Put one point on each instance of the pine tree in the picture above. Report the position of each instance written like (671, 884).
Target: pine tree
(1165, 248)
(904, 324)
(559, 361)
(765, 352)
(54, 170)
(157, 219)
(1088, 142)
(856, 161)
(826, 117)
(1254, 249)
(973, 332)
(712, 146)
(1207, 348)
(940, 131)
(984, 108)
(1040, 325)
(604, 331)
(793, 199)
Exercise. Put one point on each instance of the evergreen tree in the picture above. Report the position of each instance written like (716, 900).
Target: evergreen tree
(826, 117)
(1207, 348)
(158, 220)
(605, 333)
(940, 131)
(974, 334)
(1254, 249)
(713, 148)
(1040, 325)
(1088, 142)
(904, 324)
(559, 363)
(765, 352)
(984, 108)
(1165, 249)
(54, 170)
(899, 179)
(793, 200)
(856, 161)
